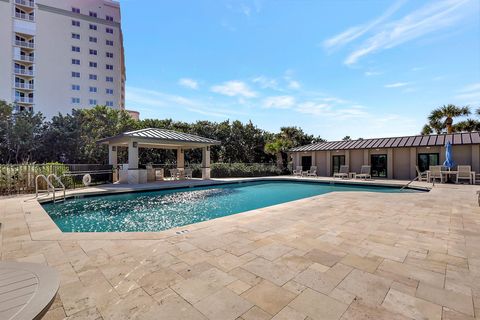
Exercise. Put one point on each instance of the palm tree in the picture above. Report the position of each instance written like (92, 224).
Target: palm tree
(445, 114)
(278, 147)
(468, 125)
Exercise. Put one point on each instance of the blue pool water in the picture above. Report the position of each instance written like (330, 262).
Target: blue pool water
(162, 210)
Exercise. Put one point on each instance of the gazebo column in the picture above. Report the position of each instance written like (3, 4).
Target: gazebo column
(112, 160)
(132, 155)
(206, 163)
(180, 159)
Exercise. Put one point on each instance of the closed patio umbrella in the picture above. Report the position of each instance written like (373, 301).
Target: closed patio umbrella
(449, 163)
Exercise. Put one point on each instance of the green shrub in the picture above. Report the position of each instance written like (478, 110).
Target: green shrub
(237, 170)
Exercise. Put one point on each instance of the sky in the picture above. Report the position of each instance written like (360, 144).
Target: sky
(360, 68)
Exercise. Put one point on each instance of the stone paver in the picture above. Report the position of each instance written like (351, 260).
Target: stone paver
(335, 256)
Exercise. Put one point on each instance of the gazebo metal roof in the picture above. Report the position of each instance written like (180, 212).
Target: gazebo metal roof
(161, 136)
(396, 142)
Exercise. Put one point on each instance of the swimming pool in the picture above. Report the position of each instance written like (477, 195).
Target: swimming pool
(166, 209)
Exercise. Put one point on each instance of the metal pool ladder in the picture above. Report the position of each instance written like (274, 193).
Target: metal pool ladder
(50, 185)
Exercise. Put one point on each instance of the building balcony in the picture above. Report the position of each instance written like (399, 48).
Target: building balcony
(22, 57)
(25, 44)
(23, 72)
(24, 86)
(26, 3)
(24, 16)
(24, 100)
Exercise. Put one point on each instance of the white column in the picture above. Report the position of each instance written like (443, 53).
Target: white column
(329, 164)
(180, 159)
(347, 159)
(314, 159)
(112, 155)
(366, 157)
(132, 155)
(390, 163)
(206, 163)
(413, 162)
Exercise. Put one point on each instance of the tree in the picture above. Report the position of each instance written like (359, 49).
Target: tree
(442, 117)
(468, 125)
(24, 136)
(347, 138)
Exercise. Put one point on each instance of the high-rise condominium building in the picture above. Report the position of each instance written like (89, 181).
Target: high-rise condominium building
(56, 55)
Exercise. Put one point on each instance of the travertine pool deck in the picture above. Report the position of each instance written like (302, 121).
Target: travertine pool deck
(342, 255)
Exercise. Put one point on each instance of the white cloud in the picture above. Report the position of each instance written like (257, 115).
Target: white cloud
(357, 31)
(470, 94)
(372, 73)
(396, 85)
(266, 83)
(293, 84)
(280, 102)
(234, 88)
(429, 18)
(188, 83)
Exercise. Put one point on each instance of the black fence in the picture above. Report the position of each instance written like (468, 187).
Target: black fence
(20, 178)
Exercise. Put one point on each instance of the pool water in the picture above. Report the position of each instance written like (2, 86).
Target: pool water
(166, 209)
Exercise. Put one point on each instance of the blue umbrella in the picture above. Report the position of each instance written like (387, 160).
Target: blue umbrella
(449, 163)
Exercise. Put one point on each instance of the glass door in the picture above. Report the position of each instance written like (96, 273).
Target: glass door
(306, 162)
(337, 161)
(425, 160)
(379, 165)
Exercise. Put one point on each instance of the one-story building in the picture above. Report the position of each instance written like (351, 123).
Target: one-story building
(391, 158)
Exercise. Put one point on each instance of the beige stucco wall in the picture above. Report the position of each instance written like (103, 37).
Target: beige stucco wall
(321, 163)
(401, 163)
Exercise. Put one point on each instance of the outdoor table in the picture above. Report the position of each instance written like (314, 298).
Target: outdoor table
(448, 174)
(304, 173)
(352, 175)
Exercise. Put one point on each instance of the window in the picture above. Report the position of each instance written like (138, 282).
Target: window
(75, 100)
(109, 91)
(425, 160)
(92, 77)
(109, 67)
(75, 87)
(109, 79)
(109, 55)
(109, 103)
(92, 102)
(93, 52)
(92, 39)
(109, 30)
(109, 18)
(76, 10)
(75, 49)
(76, 61)
(93, 27)
(92, 14)
(92, 64)
(92, 89)
(109, 42)
(75, 36)
(379, 165)
(75, 74)
(75, 23)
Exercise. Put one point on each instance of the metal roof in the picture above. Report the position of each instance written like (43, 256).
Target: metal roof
(162, 135)
(396, 142)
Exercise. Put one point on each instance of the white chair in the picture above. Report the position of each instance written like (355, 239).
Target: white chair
(364, 173)
(188, 173)
(312, 172)
(422, 176)
(464, 173)
(298, 172)
(342, 172)
(435, 173)
(174, 174)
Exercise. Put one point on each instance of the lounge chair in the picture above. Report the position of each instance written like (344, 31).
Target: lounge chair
(174, 174)
(364, 173)
(342, 172)
(188, 173)
(312, 172)
(421, 176)
(464, 173)
(298, 172)
(435, 173)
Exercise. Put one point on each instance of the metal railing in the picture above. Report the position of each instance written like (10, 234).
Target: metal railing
(24, 100)
(21, 85)
(50, 178)
(25, 44)
(24, 16)
(23, 57)
(24, 72)
(26, 3)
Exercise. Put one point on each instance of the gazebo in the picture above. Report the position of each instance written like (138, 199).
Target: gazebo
(157, 138)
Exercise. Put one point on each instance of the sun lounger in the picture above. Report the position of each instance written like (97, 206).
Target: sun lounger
(188, 173)
(421, 176)
(435, 173)
(174, 174)
(312, 172)
(364, 173)
(465, 173)
(27, 290)
(298, 172)
(342, 172)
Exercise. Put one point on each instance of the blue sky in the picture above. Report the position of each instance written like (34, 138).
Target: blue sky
(334, 68)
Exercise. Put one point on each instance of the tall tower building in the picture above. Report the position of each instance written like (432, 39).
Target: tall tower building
(56, 55)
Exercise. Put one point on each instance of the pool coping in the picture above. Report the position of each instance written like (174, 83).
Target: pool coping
(42, 227)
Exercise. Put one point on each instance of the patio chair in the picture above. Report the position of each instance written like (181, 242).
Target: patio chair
(436, 173)
(188, 173)
(342, 172)
(174, 174)
(364, 173)
(298, 172)
(464, 173)
(312, 172)
(421, 176)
